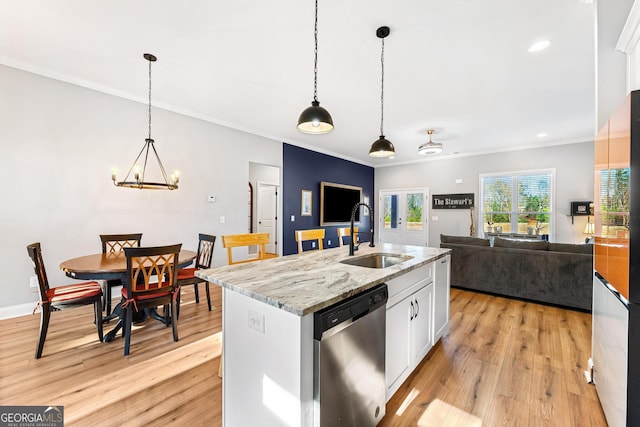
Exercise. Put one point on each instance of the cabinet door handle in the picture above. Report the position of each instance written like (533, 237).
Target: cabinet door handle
(412, 316)
(417, 309)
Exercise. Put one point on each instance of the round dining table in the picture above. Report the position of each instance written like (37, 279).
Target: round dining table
(110, 266)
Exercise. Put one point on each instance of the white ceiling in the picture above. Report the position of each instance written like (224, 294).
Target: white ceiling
(460, 67)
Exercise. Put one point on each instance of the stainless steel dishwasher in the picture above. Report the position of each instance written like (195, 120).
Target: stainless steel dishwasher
(349, 361)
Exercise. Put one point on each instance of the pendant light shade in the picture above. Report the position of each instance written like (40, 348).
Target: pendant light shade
(382, 147)
(315, 119)
(137, 176)
(430, 147)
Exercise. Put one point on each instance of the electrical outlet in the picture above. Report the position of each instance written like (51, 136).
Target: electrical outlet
(313, 244)
(222, 220)
(328, 242)
(293, 218)
(256, 321)
(33, 282)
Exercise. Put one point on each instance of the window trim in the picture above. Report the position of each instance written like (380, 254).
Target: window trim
(514, 197)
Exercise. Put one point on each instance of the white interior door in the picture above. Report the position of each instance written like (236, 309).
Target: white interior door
(267, 212)
(403, 216)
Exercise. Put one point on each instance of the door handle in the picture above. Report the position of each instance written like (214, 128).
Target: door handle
(417, 309)
(412, 316)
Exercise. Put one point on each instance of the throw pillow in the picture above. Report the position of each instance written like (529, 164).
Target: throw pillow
(537, 245)
(462, 240)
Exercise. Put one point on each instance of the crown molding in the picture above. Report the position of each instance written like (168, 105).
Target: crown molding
(630, 34)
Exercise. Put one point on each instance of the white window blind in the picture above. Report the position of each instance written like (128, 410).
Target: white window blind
(518, 202)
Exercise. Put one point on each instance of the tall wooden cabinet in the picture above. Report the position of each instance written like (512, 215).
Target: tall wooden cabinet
(616, 301)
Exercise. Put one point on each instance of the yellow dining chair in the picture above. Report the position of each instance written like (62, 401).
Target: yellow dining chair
(309, 235)
(346, 232)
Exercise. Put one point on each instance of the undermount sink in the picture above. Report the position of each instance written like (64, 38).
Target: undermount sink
(378, 260)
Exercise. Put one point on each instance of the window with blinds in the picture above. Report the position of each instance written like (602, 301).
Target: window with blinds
(518, 202)
(614, 199)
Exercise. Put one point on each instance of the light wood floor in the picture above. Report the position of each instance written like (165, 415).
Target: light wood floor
(504, 361)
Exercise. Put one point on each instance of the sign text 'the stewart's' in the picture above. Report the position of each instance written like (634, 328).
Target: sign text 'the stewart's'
(452, 201)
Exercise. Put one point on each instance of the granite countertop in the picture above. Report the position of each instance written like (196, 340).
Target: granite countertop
(305, 283)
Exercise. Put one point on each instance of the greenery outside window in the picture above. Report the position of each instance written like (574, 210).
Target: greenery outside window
(518, 202)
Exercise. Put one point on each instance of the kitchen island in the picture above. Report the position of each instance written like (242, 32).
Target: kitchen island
(268, 309)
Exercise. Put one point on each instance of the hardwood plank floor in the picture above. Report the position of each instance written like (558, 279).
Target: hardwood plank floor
(507, 362)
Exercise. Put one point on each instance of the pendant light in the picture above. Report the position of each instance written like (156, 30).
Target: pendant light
(315, 119)
(430, 147)
(382, 147)
(139, 173)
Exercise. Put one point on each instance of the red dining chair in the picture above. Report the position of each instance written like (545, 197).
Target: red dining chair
(151, 281)
(62, 297)
(113, 244)
(186, 276)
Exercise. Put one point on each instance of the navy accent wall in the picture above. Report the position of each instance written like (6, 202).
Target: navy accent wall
(304, 169)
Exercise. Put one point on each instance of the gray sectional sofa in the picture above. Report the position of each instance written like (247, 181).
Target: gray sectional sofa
(551, 273)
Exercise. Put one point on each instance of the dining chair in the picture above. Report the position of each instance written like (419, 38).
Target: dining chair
(114, 244)
(152, 276)
(186, 276)
(346, 232)
(231, 241)
(309, 235)
(62, 297)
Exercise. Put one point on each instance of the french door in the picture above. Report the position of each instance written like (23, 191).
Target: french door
(403, 216)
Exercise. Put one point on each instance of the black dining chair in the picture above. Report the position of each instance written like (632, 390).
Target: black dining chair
(152, 277)
(186, 276)
(62, 297)
(113, 244)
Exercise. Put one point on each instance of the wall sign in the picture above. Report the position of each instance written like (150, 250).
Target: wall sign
(452, 201)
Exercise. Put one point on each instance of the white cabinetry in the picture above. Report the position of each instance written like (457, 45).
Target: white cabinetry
(441, 285)
(409, 324)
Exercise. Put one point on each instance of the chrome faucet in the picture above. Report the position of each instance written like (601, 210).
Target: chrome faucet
(352, 246)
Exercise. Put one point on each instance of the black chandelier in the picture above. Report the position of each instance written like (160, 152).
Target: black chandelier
(135, 177)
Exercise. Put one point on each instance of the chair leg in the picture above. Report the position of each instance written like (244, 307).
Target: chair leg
(128, 319)
(178, 301)
(174, 321)
(206, 286)
(98, 314)
(195, 291)
(44, 326)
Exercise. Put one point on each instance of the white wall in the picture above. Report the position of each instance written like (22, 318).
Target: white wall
(58, 143)
(574, 182)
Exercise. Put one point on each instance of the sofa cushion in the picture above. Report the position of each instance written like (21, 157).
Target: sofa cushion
(538, 245)
(463, 240)
(572, 248)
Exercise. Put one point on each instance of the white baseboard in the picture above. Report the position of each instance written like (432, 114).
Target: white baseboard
(16, 310)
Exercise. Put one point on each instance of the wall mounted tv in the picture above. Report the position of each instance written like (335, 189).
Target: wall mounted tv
(337, 202)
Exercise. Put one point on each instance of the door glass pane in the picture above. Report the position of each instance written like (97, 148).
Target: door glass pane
(390, 211)
(415, 206)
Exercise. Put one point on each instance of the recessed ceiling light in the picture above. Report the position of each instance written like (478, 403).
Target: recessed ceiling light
(539, 45)
(541, 135)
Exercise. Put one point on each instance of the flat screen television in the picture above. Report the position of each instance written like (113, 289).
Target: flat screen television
(337, 202)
